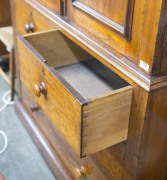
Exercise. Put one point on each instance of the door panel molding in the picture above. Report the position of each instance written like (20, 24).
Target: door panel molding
(123, 29)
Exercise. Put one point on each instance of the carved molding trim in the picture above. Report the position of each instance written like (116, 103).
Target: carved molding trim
(99, 16)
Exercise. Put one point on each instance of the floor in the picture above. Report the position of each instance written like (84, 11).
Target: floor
(21, 160)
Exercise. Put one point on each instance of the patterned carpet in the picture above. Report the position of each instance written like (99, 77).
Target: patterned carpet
(21, 160)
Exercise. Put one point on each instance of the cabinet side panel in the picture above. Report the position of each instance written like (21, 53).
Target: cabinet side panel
(152, 158)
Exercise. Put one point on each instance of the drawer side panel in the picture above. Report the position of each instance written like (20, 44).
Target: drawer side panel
(105, 120)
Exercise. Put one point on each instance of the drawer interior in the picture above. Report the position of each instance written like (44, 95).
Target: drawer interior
(88, 76)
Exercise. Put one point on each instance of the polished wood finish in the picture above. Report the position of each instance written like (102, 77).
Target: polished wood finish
(142, 155)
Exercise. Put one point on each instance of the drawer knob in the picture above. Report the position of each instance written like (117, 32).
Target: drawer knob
(80, 172)
(34, 107)
(29, 28)
(38, 89)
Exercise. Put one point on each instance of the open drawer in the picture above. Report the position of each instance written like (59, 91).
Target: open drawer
(86, 101)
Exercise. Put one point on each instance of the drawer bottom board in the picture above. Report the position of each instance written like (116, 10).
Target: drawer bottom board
(91, 78)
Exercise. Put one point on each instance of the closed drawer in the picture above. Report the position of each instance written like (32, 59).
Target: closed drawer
(51, 4)
(106, 164)
(87, 102)
(27, 21)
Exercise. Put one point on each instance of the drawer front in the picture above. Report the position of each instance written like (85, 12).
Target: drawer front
(62, 107)
(29, 21)
(51, 4)
(106, 164)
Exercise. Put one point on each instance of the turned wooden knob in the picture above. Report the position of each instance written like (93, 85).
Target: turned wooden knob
(34, 107)
(80, 172)
(29, 27)
(38, 89)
